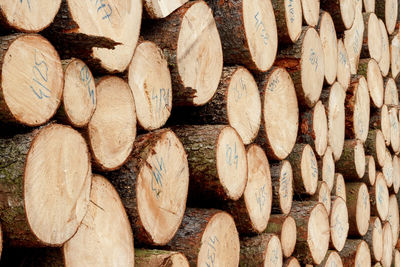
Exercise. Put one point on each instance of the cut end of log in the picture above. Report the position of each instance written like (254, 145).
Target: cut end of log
(58, 189)
(361, 115)
(391, 9)
(343, 65)
(387, 169)
(294, 18)
(328, 169)
(375, 83)
(288, 236)
(105, 228)
(273, 253)
(384, 63)
(333, 260)
(339, 223)
(291, 262)
(309, 170)
(385, 125)
(369, 5)
(391, 93)
(112, 129)
(324, 195)
(395, 55)
(371, 170)
(347, 10)
(387, 255)
(311, 11)
(340, 186)
(359, 158)
(318, 233)
(396, 174)
(363, 255)
(374, 37)
(381, 193)
(161, 9)
(377, 238)
(393, 218)
(329, 42)
(320, 129)
(394, 130)
(286, 187)
(153, 257)
(363, 210)
(353, 41)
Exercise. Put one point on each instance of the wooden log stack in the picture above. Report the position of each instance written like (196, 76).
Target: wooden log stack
(200, 133)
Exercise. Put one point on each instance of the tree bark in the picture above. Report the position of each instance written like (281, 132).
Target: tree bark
(289, 18)
(375, 146)
(261, 250)
(144, 257)
(352, 162)
(342, 12)
(358, 207)
(374, 238)
(356, 253)
(284, 226)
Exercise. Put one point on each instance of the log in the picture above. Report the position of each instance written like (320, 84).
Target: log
(237, 103)
(384, 63)
(305, 63)
(372, 39)
(332, 258)
(26, 16)
(396, 174)
(144, 258)
(343, 74)
(314, 128)
(207, 237)
(150, 81)
(311, 11)
(339, 223)
(342, 12)
(387, 169)
(370, 171)
(370, 70)
(291, 262)
(305, 169)
(394, 130)
(374, 238)
(79, 94)
(327, 167)
(190, 40)
(352, 162)
(357, 109)
(161, 9)
(261, 250)
(112, 129)
(396, 258)
(289, 18)
(391, 92)
(356, 253)
(312, 224)
(395, 56)
(251, 211)
(380, 120)
(153, 186)
(387, 254)
(255, 39)
(217, 163)
(376, 147)
(353, 41)
(339, 188)
(387, 11)
(32, 82)
(393, 218)
(284, 226)
(369, 5)
(95, 244)
(282, 184)
(322, 195)
(379, 198)
(78, 28)
(29, 181)
(358, 207)
(279, 100)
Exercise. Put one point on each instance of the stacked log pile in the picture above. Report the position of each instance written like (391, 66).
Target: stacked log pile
(200, 133)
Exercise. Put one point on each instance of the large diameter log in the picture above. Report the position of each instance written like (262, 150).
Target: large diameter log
(343, 74)
(31, 82)
(153, 186)
(339, 188)
(369, 68)
(207, 237)
(305, 62)
(327, 172)
(387, 254)
(34, 167)
(251, 212)
(381, 120)
(332, 259)
(314, 128)
(28, 16)
(379, 194)
(312, 231)
(278, 136)
(387, 10)
(153, 257)
(284, 226)
(352, 162)
(289, 18)
(217, 162)
(291, 262)
(357, 108)
(150, 81)
(339, 223)
(79, 94)
(93, 235)
(372, 39)
(393, 218)
(359, 209)
(342, 12)
(161, 9)
(394, 130)
(282, 184)
(305, 169)
(395, 55)
(262, 250)
(356, 253)
(374, 238)
(311, 11)
(353, 40)
(384, 63)
(112, 128)
(376, 147)
(248, 32)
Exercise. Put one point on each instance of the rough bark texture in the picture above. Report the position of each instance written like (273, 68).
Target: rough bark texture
(333, 7)
(162, 258)
(253, 250)
(371, 147)
(346, 165)
(375, 228)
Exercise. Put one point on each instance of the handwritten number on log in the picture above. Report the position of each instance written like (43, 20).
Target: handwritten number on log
(158, 170)
(284, 184)
(86, 78)
(107, 9)
(40, 76)
(211, 251)
(260, 26)
(161, 98)
(261, 197)
(28, 2)
(231, 155)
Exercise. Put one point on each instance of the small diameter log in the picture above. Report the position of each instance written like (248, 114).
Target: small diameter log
(312, 224)
(322, 195)
(391, 92)
(305, 63)
(289, 18)
(375, 146)
(395, 55)
(387, 169)
(26, 16)
(207, 237)
(314, 128)
(384, 63)
(352, 162)
(370, 171)
(342, 12)
(359, 209)
(93, 235)
(291, 262)
(237, 103)
(261, 250)
(282, 185)
(79, 94)
(248, 32)
(161, 9)
(343, 74)
(252, 210)
(356, 253)
(370, 69)
(339, 223)
(394, 130)
(369, 5)
(379, 198)
(284, 226)
(278, 136)
(190, 40)
(396, 174)
(150, 81)
(305, 169)
(327, 173)
(153, 186)
(339, 188)
(353, 41)
(387, 254)
(374, 238)
(393, 218)
(357, 108)
(396, 258)
(332, 259)
(387, 11)
(311, 11)
(112, 128)
(34, 166)
(146, 257)
(31, 82)
(217, 162)
(372, 39)
(381, 120)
